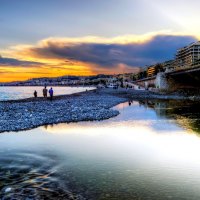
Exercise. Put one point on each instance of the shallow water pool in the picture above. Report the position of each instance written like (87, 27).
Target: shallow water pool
(149, 151)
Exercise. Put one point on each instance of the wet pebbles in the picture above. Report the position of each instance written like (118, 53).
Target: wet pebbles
(89, 106)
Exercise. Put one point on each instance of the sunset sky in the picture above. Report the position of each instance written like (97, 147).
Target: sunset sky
(48, 38)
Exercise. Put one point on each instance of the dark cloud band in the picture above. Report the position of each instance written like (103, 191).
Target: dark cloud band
(158, 49)
(15, 62)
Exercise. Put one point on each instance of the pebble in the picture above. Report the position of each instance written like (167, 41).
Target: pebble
(8, 189)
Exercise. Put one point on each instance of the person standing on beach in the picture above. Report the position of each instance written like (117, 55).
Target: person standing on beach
(45, 92)
(35, 94)
(51, 93)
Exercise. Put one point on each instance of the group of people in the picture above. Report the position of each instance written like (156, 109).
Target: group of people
(130, 102)
(45, 91)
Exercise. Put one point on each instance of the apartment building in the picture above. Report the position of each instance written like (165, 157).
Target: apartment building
(188, 56)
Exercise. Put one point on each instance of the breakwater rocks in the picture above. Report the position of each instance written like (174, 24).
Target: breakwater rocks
(88, 106)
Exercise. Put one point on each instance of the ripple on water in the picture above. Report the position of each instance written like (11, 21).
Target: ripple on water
(28, 176)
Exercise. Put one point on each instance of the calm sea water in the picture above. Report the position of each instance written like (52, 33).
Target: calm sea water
(10, 93)
(150, 151)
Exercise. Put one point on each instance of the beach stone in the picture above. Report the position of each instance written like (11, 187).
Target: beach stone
(8, 189)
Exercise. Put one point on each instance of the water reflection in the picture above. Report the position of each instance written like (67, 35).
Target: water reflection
(186, 113)
(143, 153)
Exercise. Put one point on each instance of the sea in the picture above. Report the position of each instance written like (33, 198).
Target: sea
(17, 92)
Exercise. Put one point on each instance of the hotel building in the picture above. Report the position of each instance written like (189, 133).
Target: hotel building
(188, 56)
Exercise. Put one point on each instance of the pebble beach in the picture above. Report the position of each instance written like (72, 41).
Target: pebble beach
(30, 113)
(17, 115)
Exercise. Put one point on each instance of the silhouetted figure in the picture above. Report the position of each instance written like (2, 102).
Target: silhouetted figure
(45, 91)
(35, 94)
(51, 93)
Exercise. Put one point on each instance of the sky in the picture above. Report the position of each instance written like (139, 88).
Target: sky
(50, 38)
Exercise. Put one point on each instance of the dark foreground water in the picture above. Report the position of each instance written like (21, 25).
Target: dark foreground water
(150, 151)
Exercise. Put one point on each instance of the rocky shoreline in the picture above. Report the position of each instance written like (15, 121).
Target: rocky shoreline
(17, 115)
(30, 113)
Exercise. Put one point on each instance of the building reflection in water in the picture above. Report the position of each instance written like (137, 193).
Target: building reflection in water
(186, 113)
